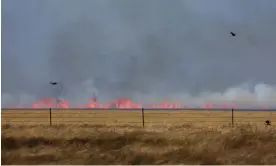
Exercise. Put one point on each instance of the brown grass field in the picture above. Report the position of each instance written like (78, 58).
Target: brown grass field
(117, 137)
(130, 117)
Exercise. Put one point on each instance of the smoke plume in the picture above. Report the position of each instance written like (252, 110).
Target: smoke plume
(149, 51)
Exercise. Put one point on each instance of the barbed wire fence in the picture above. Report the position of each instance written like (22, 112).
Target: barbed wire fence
(140, 117)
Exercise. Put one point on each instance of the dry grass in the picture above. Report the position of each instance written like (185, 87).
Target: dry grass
(152, 118)
(92, 144)
(116, 137)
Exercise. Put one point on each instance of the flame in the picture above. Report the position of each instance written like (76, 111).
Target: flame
(125, 103)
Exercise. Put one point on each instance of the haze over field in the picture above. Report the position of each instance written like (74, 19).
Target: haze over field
(149, 51)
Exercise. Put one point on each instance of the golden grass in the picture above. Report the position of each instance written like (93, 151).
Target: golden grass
(130, 117)
(96, 144)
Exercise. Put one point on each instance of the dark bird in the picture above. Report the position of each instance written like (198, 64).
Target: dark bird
(232, 33)
(53, 83)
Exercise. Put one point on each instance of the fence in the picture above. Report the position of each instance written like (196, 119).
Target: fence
(140, 117)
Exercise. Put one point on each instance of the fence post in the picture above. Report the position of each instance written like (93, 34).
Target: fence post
(232, 117)
(50, 111)
(143, 117)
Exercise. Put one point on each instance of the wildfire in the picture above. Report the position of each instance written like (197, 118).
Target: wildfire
(119, 103)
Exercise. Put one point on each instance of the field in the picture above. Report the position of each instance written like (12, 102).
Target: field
(112, 137)
(88, 144)
(130, 117)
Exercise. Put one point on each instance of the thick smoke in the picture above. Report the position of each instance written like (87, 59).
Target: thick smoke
(150, 51)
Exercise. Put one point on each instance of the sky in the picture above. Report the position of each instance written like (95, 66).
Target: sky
(147, 50)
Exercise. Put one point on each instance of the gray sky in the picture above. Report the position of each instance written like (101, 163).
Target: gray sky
(148, 50)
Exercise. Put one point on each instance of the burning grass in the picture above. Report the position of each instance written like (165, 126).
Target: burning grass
(125, 144)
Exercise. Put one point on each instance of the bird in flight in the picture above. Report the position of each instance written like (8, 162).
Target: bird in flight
(53, 83)
(232, 33)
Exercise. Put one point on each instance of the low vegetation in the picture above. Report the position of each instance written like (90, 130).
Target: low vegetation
(125, 144)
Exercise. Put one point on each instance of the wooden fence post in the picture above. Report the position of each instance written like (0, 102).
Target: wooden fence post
(143, 117)
(50, 111)
(232, 117)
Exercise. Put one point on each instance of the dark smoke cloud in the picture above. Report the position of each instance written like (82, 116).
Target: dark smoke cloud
(149, 51)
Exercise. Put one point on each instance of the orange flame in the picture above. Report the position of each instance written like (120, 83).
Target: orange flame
(119, 103)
